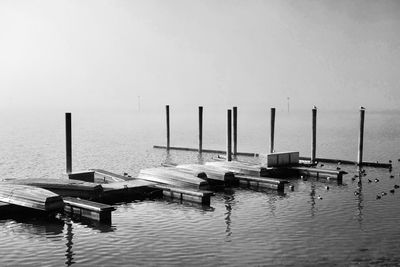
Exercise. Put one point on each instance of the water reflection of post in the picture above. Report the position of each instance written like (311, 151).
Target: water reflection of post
(228, 206)
(168, 158)
(312, 195)
(69, 253)
(200, 159)
(360, 199)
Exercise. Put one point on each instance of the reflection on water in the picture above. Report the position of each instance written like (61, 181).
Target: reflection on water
(48, 227)
(312, 199)
(360, 199)
(229, 198)
(69, 254)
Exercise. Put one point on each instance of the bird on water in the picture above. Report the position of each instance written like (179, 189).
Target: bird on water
(378, 197)
(376, 180)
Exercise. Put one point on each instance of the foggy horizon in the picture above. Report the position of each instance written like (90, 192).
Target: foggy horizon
(102, 55)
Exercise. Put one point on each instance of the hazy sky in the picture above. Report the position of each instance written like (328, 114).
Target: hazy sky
(104, 54)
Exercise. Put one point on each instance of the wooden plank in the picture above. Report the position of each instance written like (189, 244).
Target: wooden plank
(88, 209)
(86, 204)
(30, 197)
(251, 154)
(205, 150)
(171, 177)
(262, 182)
(124, 185)
(184, 194)
(64, 187)
(109, 177)
(350, 162)
(319, 173)
(212, 172)
(240, 168)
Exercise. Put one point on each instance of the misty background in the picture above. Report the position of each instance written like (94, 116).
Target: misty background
(105, 54)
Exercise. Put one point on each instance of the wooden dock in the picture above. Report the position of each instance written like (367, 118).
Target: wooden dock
(240, 168)
(30, 197)
(350, 162)
(197, 196)
(88, 209)
(252, 154)
(214, 175)
(153, 188)
(64, 187)
(250, 175)
(102, 176)
(172, 177)
(132, 189)
(205, 150)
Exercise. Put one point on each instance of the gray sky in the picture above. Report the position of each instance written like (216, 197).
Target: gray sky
(103, 54)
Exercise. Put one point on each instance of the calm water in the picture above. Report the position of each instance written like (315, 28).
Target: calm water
(241, 226)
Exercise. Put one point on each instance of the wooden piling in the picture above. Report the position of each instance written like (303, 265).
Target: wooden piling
(68, 142)
(235, 131)
(200, 129)
(229, 137)
(314, 135)
(271, 150)
(167, 117)
(361, 137)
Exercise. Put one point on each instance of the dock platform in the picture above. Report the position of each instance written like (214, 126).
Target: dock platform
(30, 197)
(88, 209)
(154, 189)
(64, 187)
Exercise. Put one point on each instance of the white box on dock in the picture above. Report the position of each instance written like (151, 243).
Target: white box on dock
(279, 159)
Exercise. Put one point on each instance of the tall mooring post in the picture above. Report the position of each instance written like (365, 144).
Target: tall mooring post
(361, 137)
(200, 129)
(271, 144)
(68, 138)
(229, 137)
(167, 117)
(314, 134)
(235, 131)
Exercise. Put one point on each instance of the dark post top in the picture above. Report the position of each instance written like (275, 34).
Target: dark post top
(272, 137)
(167, 116)
(68, 142)
(234, 131)
(314, 134)
(361, 137)
(229, 137)
(200, 129)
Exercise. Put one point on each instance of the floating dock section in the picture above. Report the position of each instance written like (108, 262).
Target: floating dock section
(215, 176)
(64, 187)
(156, 189)
(172, 177)
(250, 175)
(197, 196)
(88, 209)
(30, 197)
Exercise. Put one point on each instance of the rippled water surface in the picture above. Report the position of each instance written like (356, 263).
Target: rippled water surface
(241, 226)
